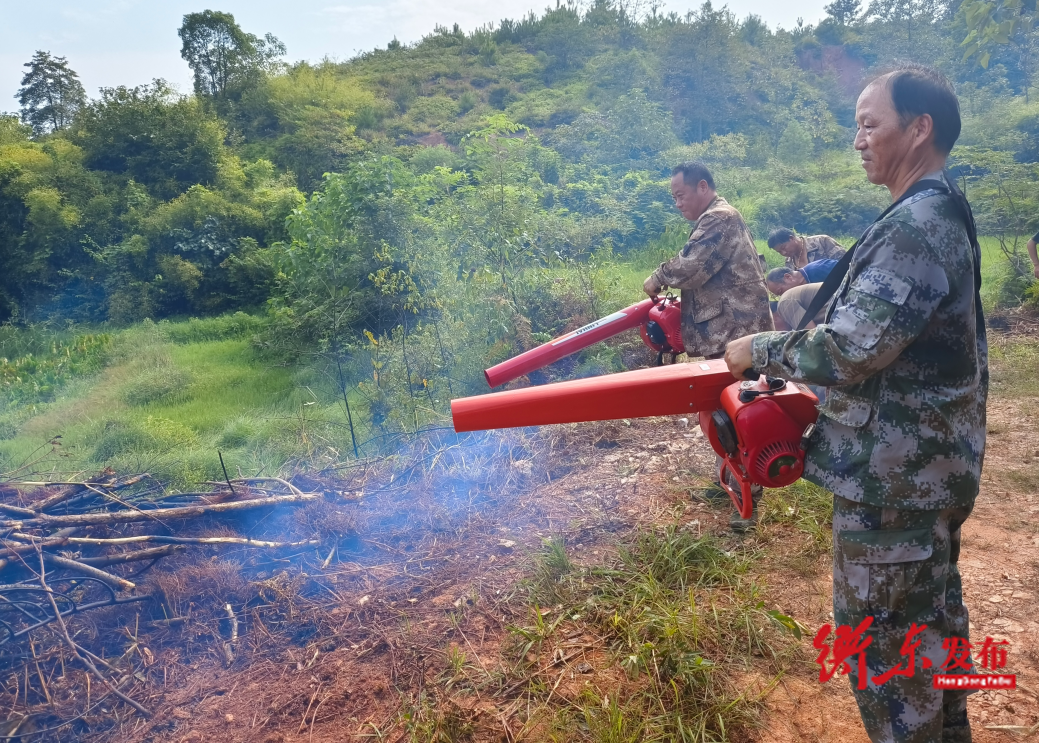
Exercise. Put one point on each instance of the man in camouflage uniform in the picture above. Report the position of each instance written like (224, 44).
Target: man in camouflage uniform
(901, 438)
(718, 269)
(800, 250)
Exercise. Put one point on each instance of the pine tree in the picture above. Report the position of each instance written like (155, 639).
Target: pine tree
(844, 12)
(51, 93)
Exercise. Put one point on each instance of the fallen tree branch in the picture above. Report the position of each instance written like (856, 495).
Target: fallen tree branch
(107, 484)
(78, 567)
(109, 481)
(244, 541)
(17, 510)
(152, 553)
(124, 517)
(246, 480)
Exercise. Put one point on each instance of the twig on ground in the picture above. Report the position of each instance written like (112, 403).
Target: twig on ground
(226, 478)
(152, 553)
(229, 646)
(75, 566)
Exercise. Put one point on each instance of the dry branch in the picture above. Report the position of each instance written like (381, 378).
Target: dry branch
(78, 567)
(152, 553)
(130, 516)
(75, 648)
(109, 481)
(242, 541)
(17, 510)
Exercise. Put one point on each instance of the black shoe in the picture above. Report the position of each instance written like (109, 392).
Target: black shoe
(741, 525)
(714, 493)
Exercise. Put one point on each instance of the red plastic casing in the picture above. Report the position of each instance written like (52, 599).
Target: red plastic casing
(564, 345)
(662, 390)
(668, 315)
(768, 429)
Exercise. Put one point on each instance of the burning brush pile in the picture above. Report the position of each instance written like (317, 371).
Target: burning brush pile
(113, 590)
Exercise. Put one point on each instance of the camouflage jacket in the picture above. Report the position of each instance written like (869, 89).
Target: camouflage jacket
(904, 353)
(818, 248)
(723, 288)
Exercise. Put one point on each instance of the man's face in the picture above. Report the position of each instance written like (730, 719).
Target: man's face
(790, 249)
(881, 141)
(691, 201)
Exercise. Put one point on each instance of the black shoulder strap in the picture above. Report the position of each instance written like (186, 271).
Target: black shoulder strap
(836, 276)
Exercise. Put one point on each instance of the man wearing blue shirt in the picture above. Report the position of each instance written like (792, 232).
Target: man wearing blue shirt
(780, 279)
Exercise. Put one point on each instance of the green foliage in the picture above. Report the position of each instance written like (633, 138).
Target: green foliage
(554, 135)
(993, 22)
(36, 372)
(221, 56)
(150, 134)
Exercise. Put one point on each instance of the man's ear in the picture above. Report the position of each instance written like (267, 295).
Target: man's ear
(923, 129)
(702, 187)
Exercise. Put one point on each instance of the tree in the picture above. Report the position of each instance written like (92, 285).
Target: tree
(51, 93)
(221, 55)
(158, 138)
(994, 22)
(844, 12)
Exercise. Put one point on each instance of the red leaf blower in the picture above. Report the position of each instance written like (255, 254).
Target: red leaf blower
(759, 428)
(659, 321)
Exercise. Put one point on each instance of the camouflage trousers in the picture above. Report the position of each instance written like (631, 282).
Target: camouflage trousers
(900, 567)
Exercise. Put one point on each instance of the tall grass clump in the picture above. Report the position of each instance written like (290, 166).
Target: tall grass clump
(679, 614)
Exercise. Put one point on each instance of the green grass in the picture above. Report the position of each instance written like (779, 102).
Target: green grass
(1014, 366)
(678, 614)
(172, 396)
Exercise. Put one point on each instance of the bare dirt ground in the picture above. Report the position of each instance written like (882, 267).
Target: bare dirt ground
(392, 631)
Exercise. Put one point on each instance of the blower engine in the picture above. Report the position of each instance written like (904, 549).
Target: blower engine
(760, 428)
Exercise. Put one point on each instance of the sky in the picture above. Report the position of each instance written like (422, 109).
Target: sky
(132, 42)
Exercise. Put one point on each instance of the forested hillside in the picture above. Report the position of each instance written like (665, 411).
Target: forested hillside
(545, 137)
(232, 323)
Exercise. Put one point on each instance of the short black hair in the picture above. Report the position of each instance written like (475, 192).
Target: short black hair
(780, 236)
(916, 90)
(778, 275)
(693, 172)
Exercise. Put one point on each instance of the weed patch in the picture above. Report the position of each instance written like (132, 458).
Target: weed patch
(1014, 365)
(680, 619)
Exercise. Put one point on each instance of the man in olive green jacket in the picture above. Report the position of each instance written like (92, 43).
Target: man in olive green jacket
(718, 270)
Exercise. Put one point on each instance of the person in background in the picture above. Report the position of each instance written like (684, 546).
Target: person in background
(900, 440)
(792, 306)
(721, 278)
(800, 250)
(718, 269)
(1032, 255)
(780, 279)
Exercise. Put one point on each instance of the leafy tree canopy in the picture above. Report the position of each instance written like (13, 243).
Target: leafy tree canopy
(51, 93)
(221, 55)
